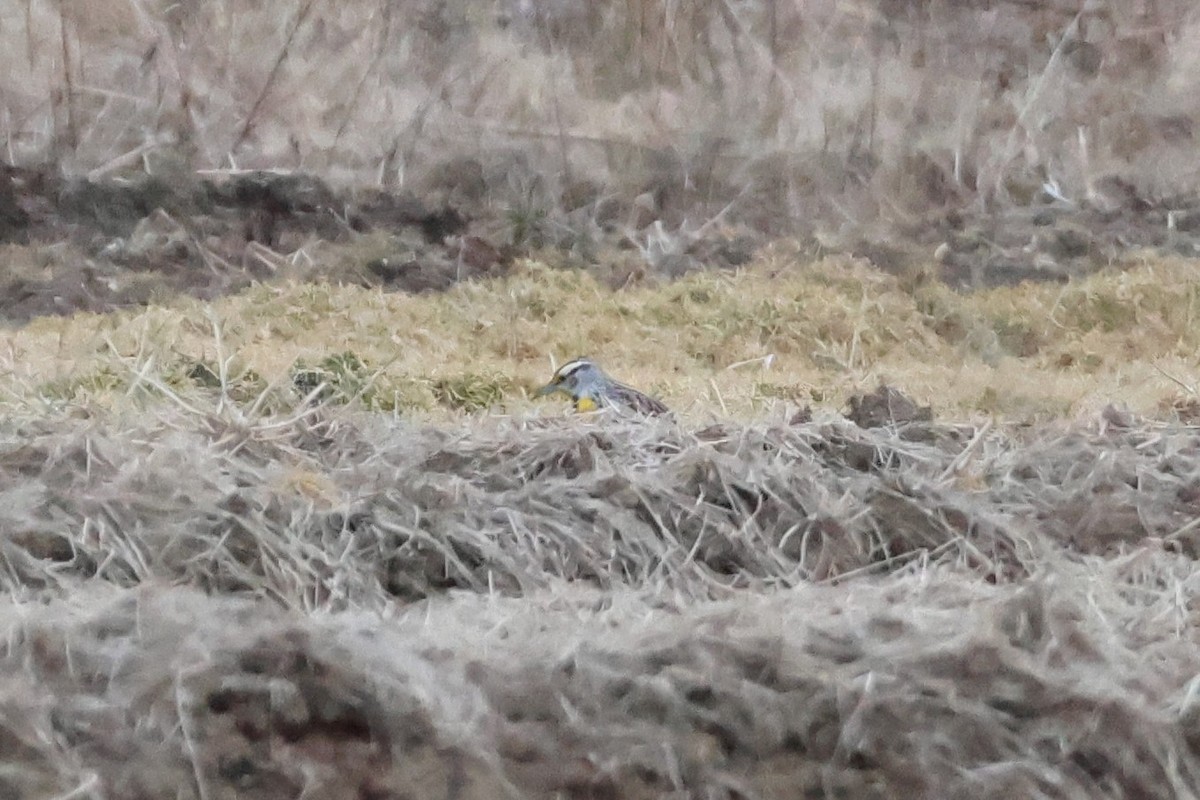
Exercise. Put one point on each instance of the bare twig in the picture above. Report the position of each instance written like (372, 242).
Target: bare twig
(280, 58)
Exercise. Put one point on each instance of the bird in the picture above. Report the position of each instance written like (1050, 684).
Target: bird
(592, 389)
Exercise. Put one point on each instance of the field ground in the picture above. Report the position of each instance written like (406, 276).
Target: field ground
(280, 518)
(308, 537)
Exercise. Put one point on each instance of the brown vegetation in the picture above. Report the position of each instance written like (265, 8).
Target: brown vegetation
(851, 123)
(928, 99)
(600, 608)
(280, 518)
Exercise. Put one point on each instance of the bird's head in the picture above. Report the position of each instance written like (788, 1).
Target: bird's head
(573, 378)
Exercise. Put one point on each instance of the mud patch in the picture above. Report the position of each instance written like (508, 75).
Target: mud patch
(78, 245)
(1047, 241)
(886, 406)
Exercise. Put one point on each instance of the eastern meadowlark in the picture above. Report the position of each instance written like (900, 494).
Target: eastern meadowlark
(592, 389)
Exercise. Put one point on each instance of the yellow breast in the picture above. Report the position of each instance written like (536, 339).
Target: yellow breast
(585, 404)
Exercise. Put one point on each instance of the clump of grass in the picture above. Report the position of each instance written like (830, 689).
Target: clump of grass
(347, 377)
(1015, 404)
(100, 381)
(793, 392)
(1101, 309)
(340, 377)
(471, 391)
(1018, 337)
(527, 225)
(1079, 358)
(241, 383)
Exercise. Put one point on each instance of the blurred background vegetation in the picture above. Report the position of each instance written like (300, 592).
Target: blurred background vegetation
(779, 113)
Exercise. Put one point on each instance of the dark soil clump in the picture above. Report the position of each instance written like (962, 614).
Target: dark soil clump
(97, 245)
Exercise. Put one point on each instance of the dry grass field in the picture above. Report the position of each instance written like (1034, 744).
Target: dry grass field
(312, 540)
(281, 518)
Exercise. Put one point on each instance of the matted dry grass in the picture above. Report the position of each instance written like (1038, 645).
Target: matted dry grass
(339, 604)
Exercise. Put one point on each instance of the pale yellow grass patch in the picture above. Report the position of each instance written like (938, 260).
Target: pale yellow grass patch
(762, 341)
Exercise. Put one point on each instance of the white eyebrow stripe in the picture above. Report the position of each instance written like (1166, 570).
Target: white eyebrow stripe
(571, 366)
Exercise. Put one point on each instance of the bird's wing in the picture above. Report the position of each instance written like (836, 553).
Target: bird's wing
(639, 402)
